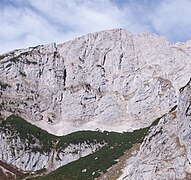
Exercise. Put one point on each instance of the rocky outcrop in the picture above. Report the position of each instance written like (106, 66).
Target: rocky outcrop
(29, 148)
(23, 156)
(111, 80)
(165, 152)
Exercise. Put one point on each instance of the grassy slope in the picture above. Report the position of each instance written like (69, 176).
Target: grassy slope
(94, 164)
(17, 126)
(100, 161)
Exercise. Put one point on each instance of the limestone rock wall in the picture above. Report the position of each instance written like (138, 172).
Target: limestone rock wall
(165, 152)
(111, 80)
(27, 157)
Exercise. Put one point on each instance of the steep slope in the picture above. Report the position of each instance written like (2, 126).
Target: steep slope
(166, 151)
(30, 148)
(28, 151)
(8, 172)
(111, 80)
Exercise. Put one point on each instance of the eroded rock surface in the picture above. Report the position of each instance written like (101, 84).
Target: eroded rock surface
(30, 155)
(165, 152)
(111, 80)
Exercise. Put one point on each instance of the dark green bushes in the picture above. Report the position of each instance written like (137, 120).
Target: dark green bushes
(100, 161)
(27, 131)
(94, 164)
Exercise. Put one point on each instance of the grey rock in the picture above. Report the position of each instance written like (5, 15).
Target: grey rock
(112, 80)
(165, 152)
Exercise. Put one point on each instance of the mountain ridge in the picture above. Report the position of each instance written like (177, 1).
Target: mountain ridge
(165, 152)
(28, 151)
(107, 81)
(95, 81)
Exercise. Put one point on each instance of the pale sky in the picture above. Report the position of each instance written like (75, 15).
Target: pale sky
(26, 23)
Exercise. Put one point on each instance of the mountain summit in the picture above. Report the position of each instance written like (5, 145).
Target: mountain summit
(106, 81)
(110, 80)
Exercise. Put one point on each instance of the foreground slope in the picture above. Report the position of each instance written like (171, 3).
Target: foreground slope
(80, 155)
(30, 148)
(111, 80)
(166, 151)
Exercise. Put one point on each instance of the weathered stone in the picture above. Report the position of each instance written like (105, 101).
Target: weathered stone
(111, 80)
(166, 151)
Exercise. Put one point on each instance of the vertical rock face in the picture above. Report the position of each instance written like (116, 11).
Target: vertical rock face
(111, 80)
(166, 151)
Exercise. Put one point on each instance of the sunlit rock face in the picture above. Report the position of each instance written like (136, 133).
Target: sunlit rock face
(27, 156)
(111, 80)
(166, 151)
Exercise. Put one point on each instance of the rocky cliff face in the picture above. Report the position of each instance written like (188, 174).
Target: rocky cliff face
(30, 149)
(23, 157)
(166, 151)
(111, 80)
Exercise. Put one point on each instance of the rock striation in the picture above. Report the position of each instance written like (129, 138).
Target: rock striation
(111, 80)
(34, 149)
(166, 151)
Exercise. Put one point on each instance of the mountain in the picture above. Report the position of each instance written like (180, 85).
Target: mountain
(111, 80)
(28, 151)
(108, 105)
(166, 151)
(30, 148)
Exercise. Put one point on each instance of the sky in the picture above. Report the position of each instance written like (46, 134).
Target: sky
(27, 23)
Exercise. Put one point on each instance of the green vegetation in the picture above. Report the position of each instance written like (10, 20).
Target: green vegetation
(80, 137)
(26, 53)
(100, 161)
(27, 131)
(14, 59)
(2, 56)
(154, 123)
(88, 167)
